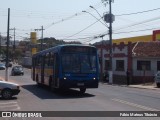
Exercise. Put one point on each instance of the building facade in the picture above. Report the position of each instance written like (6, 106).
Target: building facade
(140, 57)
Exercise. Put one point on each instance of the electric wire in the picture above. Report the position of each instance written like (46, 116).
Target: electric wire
(142, 22)
(83, 29)
(139, 12)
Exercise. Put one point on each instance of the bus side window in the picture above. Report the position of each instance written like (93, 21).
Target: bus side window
(46, 58)
(38, 61)
(51, 59)
(34, 61)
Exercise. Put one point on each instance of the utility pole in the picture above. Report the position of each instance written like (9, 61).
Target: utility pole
(14, 29)
(41, 36)
(110, 32)
(109, 18)
(110, 38)
(7, 53)
(14, 46)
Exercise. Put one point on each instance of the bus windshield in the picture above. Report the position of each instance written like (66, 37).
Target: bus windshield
(78, 63)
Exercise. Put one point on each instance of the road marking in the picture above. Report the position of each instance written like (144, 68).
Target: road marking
(8, 103)
(135, 105)
(9, 106)
(18, 108)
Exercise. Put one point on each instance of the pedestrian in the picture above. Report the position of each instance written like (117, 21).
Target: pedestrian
(105, 77)
(128, 76)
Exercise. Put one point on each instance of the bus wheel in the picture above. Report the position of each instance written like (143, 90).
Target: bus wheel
(37, 78)
(158, 85)
(82, 90)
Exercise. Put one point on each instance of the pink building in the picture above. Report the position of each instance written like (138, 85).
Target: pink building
(142, 59)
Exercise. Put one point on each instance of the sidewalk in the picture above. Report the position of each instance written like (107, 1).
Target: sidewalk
(141, 86)
(145, 86)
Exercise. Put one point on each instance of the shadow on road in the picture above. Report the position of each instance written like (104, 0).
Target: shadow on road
(13, 98)
(44, 93)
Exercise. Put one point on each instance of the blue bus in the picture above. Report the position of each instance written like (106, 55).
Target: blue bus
(67, 66)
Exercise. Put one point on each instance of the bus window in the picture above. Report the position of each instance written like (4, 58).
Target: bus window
(70, 63)
(46, 59)
(88, 63)
(51, 60)
(49, 57)
(78, 63)
(93, 63)
(39, 61)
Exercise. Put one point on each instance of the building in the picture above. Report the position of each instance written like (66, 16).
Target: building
(140, 55)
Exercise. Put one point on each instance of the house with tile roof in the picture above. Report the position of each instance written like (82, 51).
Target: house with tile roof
(145, 60)
(142, 59)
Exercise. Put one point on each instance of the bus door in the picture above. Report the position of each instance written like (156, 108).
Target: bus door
(42, 68)
(55, 71)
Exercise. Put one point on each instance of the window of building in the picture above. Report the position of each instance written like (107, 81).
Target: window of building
(107, 64)
(158, 65)
(143, 65)
(120, 65)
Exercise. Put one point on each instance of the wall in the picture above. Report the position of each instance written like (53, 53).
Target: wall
(120, 51)
(144, 76)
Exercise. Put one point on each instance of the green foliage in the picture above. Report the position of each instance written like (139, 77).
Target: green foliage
(51, 42)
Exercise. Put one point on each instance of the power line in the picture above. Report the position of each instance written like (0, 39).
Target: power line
(98, 36)
(136, 30)
(139, 12)
(142, 22)
(84, 29)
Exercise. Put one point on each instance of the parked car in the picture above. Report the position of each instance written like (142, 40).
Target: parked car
(157, 78)
(4, 60)
(8, 89)
(2, 66)
(17, 70)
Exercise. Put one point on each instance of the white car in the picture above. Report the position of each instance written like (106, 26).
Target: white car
(157, 78)
(2, 66)
(8, 89)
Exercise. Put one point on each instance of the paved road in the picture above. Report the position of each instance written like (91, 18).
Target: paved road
(105, 98)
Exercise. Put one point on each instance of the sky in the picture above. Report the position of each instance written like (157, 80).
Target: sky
(65, 20)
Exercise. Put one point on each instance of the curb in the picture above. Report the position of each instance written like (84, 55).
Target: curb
(151, 87)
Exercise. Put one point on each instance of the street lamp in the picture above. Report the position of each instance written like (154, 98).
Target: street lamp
(101, 36)
(109, 18)
(95, 18)
(95, 10)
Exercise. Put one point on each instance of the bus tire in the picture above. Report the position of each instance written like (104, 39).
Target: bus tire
(50, 83)
(158, 85)
(7, 93)
(37, 79)
(82, 90)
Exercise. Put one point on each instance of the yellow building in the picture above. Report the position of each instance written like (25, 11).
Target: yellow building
(145, 38)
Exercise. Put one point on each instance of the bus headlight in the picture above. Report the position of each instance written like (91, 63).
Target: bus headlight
(94, 78)
(64, 78)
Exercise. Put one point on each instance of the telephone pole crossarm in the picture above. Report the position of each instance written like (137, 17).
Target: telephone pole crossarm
(41, 36)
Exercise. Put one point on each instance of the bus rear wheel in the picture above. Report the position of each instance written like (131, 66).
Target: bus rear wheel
(82, 90)
(158, 85)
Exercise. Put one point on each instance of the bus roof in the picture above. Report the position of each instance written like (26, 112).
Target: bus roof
(58, 47)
